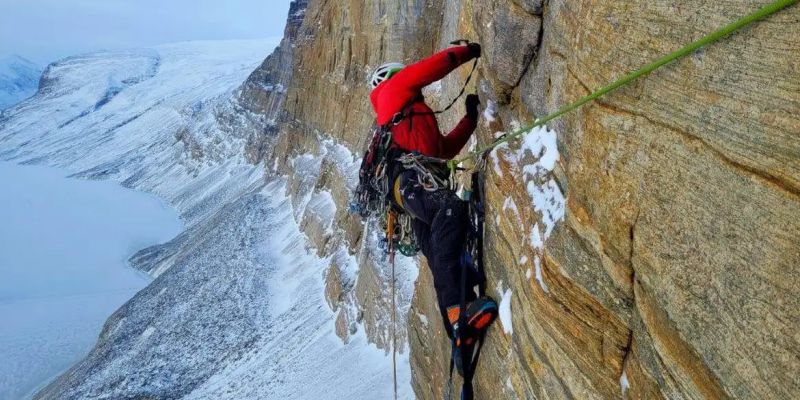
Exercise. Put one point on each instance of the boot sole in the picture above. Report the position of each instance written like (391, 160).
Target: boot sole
(484, 316)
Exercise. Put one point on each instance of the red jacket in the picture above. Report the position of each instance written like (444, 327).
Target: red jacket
(421, 132)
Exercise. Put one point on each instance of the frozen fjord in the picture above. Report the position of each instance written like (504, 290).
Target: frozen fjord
(64, 245)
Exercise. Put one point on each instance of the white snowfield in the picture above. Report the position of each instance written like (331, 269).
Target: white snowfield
(212, 324)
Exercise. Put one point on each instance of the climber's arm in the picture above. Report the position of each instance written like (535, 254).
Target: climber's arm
(458, 137)
(452, 144)
(423, 73)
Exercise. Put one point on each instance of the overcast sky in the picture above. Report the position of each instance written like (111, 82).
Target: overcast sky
(46, 30)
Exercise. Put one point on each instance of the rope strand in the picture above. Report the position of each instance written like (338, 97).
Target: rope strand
(711, 38)
(390, 236)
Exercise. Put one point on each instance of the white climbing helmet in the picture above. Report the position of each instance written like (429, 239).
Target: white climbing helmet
(383, 73)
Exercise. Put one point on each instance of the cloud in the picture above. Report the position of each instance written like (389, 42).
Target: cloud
(46, 30)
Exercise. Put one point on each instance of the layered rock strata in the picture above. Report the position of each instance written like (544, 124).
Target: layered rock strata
(647, 244)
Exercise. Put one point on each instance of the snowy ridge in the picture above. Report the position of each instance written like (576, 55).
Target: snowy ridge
(359, 287)
(275, 369)
(237, 309)
(131, 116)
(19, 79)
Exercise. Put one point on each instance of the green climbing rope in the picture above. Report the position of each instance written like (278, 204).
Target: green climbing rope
(683, 52)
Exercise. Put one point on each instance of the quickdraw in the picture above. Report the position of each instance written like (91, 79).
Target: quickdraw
(432, 173)
(406, 244)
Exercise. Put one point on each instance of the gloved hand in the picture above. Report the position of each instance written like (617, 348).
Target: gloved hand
(472, 102)
(474, 50)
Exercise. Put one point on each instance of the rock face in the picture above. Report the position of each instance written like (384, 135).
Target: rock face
(264, 91)
(648, 244)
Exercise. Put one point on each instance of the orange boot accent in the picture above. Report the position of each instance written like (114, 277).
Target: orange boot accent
(453, 313)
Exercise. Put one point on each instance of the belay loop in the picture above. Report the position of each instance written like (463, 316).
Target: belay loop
(430, 172)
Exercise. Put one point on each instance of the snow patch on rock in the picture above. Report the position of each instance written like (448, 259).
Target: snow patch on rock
(624, 384)
(505, 312)
(537, 263)
(541, 145)
(505, 308)
(490, 113)
(533, 162)
(536, 237)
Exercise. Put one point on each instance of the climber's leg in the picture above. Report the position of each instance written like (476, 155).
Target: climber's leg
(445, 216)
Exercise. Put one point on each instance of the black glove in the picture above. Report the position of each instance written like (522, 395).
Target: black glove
(472, 102)
(474, 50)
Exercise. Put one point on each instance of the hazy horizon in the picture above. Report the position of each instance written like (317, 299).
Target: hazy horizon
(84, 26)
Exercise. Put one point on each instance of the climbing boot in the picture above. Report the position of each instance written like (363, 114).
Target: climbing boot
(481, 313)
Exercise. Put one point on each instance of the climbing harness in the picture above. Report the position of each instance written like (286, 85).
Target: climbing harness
(711, 38)
(432, 173)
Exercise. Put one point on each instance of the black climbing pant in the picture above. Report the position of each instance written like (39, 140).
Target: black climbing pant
(440, 224)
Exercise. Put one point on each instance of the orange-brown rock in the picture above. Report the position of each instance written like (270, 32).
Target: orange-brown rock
(674, 271)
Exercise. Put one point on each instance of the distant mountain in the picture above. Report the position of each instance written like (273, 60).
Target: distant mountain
(237, 309)
(19, 79)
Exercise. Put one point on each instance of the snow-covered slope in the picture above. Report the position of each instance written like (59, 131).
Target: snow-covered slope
(237, 309)
(147, 118)
(19, 79)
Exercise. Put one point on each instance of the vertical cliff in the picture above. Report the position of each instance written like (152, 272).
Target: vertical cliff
(263, 93)
(647, 245)
(319, 129)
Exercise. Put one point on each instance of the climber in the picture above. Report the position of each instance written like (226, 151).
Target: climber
(440, 218)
